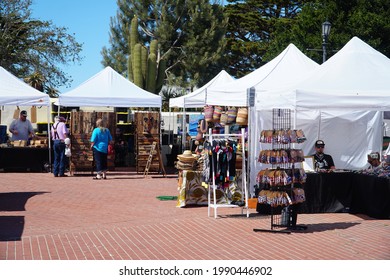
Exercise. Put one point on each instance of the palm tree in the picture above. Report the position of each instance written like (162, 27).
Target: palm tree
(52, 92)
(166, 94)
(36, 80)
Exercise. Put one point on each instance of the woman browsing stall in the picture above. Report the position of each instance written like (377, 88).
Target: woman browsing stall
(100, 139)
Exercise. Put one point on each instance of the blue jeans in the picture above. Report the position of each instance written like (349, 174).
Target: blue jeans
(100, 161)
(59, 158)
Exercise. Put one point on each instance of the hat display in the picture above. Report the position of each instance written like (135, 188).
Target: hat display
(320, 143)
(187, 156)
(23, 113)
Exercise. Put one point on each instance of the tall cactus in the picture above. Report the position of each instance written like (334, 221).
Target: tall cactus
(134, 36)
(152, 69)
(145, 68)
(162, 66)
(137, 68)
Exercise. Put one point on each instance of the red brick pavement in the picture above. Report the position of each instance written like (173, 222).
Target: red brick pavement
(77, 218)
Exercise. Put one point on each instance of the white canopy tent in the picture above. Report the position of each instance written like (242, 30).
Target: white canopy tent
(197, 98)
(356, 78)
(15, 92)
(109, 88)
(340, 102)
(283, 70)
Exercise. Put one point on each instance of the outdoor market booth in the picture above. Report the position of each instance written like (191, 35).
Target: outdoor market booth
(192, 191)
(290, 65)
(22, 155)
(341, 103)
(138, 132)
(196, 99)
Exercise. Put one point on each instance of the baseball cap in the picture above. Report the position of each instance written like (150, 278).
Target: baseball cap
(62, 119)
(23, 113)
(320, 143)
(373, 155)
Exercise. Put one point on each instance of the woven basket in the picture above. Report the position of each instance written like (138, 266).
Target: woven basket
(224, 118)
(232, 115)
(208, 113)
(242, 116)
(217, 113)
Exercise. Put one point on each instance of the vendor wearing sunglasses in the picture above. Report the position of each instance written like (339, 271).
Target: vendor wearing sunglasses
(322, 161)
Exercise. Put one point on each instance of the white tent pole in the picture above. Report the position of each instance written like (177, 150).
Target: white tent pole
(169, 126)
(184, 128)
(159, 126)
(49, 131)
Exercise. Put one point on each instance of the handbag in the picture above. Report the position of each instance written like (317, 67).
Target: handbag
(208, 113)
(68, 152)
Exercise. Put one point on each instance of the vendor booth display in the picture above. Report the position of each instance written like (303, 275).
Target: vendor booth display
(282, 185)
(81, 127)
(340, 102)
(191, 189)
(110, 89)
(197, 99)
(147, 133)
(14, 92)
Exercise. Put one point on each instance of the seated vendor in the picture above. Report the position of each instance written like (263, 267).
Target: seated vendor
(375, 161)
(21, 128)
(322, 161)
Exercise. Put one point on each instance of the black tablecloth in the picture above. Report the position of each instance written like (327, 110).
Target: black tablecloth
(371, 196)
(327, 192)
(345, 192)
(23, 159)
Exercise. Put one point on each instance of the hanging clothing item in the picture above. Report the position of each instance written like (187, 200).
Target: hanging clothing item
(223, 158)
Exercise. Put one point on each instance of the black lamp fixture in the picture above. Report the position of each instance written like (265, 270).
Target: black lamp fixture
(325, 34)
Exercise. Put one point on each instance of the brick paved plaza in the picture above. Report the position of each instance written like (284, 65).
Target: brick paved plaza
(77, 218)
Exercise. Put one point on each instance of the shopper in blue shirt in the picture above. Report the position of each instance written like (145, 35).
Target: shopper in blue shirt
(100, 139)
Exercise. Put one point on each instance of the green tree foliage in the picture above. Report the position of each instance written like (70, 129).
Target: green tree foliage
(190, 36)
(29, 46)
(366, 19)
(250, 31)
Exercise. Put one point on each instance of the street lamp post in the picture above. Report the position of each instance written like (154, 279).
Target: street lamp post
(325, 33)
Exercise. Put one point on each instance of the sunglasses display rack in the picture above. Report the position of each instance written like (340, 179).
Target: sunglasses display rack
(281, 184)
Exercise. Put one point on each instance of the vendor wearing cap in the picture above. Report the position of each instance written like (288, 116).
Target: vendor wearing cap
(322, 161)
(375, 161)
(21, 128)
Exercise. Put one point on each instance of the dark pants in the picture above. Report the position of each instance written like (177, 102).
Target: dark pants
(59, 158)
(100, 161)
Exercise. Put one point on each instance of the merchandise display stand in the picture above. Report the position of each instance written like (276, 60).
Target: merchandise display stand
(213, 204)
(282, 177)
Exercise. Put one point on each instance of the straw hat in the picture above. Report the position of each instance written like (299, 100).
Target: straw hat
(186, 156)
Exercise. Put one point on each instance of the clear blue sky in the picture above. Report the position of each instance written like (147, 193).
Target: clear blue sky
(89, 21)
